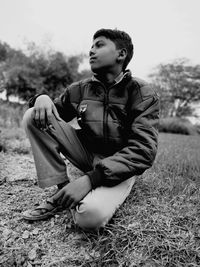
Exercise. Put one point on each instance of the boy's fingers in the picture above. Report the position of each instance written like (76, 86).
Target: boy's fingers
(33, 114)
(69, 203)
(49, 114)
(65, 200)
(73, 205)
(55, 112)
(42, 118)
(36, 118)
(57, 196)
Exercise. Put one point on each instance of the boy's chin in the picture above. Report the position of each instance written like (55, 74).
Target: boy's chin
(98, 70)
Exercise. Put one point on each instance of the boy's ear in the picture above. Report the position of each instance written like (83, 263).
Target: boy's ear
(122, 54)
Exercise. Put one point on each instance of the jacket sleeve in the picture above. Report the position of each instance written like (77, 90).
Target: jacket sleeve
(65, 108)
(66, 103)
(140, 151)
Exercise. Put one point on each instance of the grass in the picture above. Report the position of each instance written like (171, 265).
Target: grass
(158, 225)
(161, 215)
(178, 126)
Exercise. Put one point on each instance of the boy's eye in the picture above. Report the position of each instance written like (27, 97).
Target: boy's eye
(99, 44)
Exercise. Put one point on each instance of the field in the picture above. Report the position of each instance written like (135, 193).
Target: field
(158, 225)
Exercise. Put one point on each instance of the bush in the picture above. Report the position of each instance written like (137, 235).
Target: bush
(14, 140)
(11, 114)
(177, 126)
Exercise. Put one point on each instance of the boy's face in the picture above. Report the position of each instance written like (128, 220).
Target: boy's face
(103, 54)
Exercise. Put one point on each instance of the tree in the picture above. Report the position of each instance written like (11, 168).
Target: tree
(56, 75)
(3, 51)
(23, 81)
(178, 84)
(12, 62)
(38, 71)
(18, 75)
(74, 64)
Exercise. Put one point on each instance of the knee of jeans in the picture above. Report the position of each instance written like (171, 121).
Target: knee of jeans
(28, 118)
(89, 216)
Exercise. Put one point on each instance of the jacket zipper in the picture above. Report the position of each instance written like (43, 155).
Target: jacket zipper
(105, 115)
(105, 118)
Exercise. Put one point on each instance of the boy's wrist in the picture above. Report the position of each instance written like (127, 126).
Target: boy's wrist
(95, 177)
(87, 182)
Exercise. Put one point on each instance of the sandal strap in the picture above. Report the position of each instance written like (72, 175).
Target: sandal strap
(51, 202)
(47, 206)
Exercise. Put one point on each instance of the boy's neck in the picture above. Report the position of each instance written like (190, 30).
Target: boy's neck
(108, 78)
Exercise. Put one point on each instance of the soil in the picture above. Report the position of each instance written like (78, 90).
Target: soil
(55, 242)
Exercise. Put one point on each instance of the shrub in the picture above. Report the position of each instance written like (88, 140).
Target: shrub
(11, 114)
(14, 140)
(178, 126)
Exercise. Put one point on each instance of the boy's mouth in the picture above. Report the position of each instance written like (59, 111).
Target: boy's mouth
(92, 59)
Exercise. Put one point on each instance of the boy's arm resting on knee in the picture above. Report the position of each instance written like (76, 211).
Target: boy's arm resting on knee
(140, 151)
(44, 108)
(72, 193)
(66, 103)
(31, 101)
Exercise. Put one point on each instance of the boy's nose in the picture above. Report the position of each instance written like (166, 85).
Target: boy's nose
(91, 52)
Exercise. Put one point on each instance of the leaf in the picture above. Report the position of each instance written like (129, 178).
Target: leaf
(52, 224)
(43, 241)
(2, 223)
(36, 231)
(25, 234)
(134, 225)
(2, 180)
(6, 233)
(68, 226)
(32, 254)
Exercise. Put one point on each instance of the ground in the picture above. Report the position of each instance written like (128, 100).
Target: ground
(38, 243)
(157, 226)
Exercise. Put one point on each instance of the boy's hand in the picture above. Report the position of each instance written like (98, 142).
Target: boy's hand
(71, 194)
(44, 108)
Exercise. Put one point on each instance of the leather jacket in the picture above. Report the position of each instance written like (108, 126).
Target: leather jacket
(120, 122)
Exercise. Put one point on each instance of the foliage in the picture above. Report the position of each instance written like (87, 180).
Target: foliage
(37, 71)
(178, 84)
(3, 51)
(14, 140)
(56, 75)
(177, 125)
(12, 136)
(11, 114)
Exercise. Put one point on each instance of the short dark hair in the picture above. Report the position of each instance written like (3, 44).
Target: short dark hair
(121, 40)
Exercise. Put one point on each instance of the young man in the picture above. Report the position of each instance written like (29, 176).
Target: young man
(117, 139)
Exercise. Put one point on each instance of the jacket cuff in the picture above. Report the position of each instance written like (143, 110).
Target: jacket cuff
(96, 178)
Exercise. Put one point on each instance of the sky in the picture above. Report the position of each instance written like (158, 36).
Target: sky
(161, 30)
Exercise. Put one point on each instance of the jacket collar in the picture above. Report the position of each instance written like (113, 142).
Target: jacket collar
(118, 79)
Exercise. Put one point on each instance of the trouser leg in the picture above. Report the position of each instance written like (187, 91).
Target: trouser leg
(99, 205)
(46, 148)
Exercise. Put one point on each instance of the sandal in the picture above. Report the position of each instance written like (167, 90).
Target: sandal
(42, 212)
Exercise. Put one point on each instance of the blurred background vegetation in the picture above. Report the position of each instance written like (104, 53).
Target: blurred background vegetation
(26, 73)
